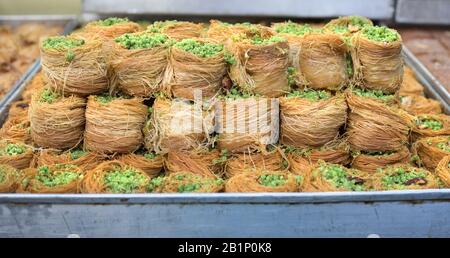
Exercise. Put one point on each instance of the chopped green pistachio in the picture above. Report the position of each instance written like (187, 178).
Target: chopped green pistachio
(201, 49)
(445, 146)
(229, 58)
(374, 94)
(299, 180)
(271, 40)
(124, 180)
(63, 174)
(291, 149)
(150, 155)
(12, 149)
(49, 96)
(190, 187)
(193, 183)
(293, 28)
(258, 40)
(111, 21)
(311, 94)
(380, 34)
(426, 122)
(339, 177)
(143, 41)
(154, 183)
(400, 178)
(62, 43)
(77, 153)
(222, 159)
(70, 55)
(105, 99)
(199, 183)
(359, 21)
(341, 29)
(272, 180)
(235, 94)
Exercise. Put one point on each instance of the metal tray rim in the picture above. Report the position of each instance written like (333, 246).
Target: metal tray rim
(231, 198)
(427, 79)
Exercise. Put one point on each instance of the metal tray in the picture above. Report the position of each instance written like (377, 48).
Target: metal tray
(69, 23)
(335, 214)
(433, 88)
(413, 213)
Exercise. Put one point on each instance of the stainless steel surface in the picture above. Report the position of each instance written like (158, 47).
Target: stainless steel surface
(229, 198)
(423, 11)
(69, 23)
(380, 9)
(14, 92)
(387, 214)
(433, 88)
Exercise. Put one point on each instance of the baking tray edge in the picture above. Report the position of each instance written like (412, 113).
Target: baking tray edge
(433, 88)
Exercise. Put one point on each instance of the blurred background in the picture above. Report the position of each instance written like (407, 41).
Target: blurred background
(400, 11)
(26, 7)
